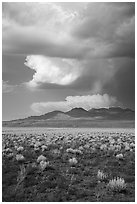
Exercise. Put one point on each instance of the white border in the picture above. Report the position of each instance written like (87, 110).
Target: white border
(1, 92)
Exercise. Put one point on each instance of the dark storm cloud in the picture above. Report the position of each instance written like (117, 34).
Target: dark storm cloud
(102, 20)
(100, 30)
(40, 29)
(96, 40)
(123, 83)
(110, 25)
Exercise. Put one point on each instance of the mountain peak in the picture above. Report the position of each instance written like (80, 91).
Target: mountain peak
(78, 112)
(77, 109)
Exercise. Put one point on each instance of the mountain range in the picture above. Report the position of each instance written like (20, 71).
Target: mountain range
(76, 114)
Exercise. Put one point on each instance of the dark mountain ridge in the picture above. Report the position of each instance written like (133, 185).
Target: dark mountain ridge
(78, 112)
(111, 113)
(45, 116)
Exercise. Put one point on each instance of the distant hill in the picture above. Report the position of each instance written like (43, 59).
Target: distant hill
(61, 116)
(45, 116)
(78, 113)
(75, 116)
(113, 113)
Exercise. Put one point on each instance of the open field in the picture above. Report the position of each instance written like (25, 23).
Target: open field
(84, 123)
(81, 164)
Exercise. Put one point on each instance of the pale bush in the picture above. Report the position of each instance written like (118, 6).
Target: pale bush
(81, 148)
(20, 157)
(43, 165)
(117, 184)
(86, 146)
(101, 175)
(73, 161)
(74, 151)
(44, 147)
(37, 144)
(56, 151)
(8, 150)
(10, 155)
(78, 151)
(20, 149)
(132, 145)
(69, 150)
(103, 147)
(119, 156)
(41, 158)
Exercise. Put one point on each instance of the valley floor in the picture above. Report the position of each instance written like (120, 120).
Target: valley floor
(72, 123)
(68, 165)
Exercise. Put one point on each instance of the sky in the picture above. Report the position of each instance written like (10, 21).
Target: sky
(59, 56)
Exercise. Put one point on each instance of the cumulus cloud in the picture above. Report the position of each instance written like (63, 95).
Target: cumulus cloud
(54, 71)
(7, 88)
(86, 102)
(59, 73)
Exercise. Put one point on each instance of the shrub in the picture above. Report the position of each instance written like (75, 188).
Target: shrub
(73, 161)
(20, 157)
(101, 175)
(119, 156)
(117, 184)
(41, 158)
(20, 149)
(43, 165)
